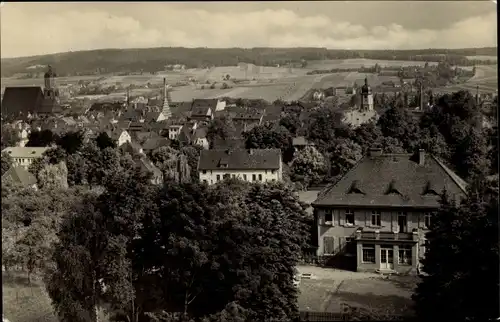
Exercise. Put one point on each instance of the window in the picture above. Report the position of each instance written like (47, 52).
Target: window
(204, 181)
(368, 253)
(260, 177)
(404, 254)
(245, 177)
(254, 177)
(273, 171)
(328, 217)
(427, 220)
(218, 177)
(376, 218)
(349, 217)
(204, 171)
(328, 245)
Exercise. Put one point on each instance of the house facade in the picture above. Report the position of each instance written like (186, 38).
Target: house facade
(24, 156)
(377, 215)
(255, 165)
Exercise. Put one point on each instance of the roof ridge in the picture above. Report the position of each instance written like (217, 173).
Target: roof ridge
(461, 183)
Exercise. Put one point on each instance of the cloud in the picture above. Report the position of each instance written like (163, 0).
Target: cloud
(25, 34)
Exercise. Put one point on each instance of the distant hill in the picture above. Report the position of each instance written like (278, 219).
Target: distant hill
(154, 59)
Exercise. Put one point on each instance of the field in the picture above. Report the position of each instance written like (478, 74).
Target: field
(357, 63)
(331, 290)
(482, 57)
(268, 83)
(486, 78)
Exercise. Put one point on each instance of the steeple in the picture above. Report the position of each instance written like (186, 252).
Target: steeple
(166, 107)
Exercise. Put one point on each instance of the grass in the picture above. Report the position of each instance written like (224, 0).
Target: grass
(25, 303)
(22, 303)
(372, 294)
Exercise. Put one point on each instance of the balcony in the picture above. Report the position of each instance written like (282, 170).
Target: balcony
(386, 236)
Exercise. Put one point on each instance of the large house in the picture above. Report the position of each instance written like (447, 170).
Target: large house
(254, 165)
(24, 156)
(379, 211)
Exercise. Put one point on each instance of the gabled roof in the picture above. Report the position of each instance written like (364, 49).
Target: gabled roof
(200, 133)
(18, 174)
(393, 180)
(147, 165)
(23, 100)
(239, 159)
(301, 141)
(155, 143)
(200, 111)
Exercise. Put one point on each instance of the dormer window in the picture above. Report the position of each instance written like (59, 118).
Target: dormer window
(393, 189)
(430, 189)
(355, 188)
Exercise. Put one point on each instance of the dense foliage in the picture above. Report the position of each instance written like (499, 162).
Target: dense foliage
(184, 248)
(462, 259)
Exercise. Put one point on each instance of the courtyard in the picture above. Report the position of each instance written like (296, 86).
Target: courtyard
(331, 290)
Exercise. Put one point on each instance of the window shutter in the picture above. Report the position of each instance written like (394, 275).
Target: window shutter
(342, 217)
(366, 218)
(342, 243)
(329, 245)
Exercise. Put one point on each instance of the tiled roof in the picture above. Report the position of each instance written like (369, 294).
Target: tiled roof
(200, 111)
(148, 166)
(25, 152)
(239, 159)
(22, 100)
(233, 143)
(373, 176)
(155, 143)
(200, 133)
(19, 175)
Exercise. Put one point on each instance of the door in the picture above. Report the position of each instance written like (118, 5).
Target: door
(402, 222)
(386, 258)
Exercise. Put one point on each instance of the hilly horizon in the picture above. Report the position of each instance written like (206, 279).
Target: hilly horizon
(116, 60)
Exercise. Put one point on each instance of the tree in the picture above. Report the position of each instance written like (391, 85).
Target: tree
(291, 122)
(462, 259)
(53, 176)
(344, 154)
(41, 138)
(308, 166)
(103, 141)
(267, 137)
(471, 155)
(10, 137)
(220, 128)
(71, 142)
(193, 154)
(6, 162)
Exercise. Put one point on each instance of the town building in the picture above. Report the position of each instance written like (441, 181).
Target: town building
(254, 165)
(376, 216)
(24, 156)
(20, 176)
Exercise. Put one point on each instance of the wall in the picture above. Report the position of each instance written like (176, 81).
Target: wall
(400, 268)
(25, 162)
(267, 175)
(362, 218)
(124, 137)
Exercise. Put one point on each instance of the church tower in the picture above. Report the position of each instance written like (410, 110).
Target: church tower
(167, 113)
(366, 97)
(50, 90)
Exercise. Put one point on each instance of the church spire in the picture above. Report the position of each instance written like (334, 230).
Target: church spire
(166, 107)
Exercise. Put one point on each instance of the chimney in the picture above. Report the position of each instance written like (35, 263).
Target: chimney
(421, 157)
(375, 152)
(421, 98)
(164, 89)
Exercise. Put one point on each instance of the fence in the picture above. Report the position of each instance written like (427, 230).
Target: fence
(309, 316)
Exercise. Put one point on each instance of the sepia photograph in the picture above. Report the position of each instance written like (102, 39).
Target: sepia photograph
(247, 161)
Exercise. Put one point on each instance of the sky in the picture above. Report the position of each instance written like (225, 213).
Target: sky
(41, 28)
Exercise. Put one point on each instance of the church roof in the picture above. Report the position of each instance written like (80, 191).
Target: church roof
(17, 100)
